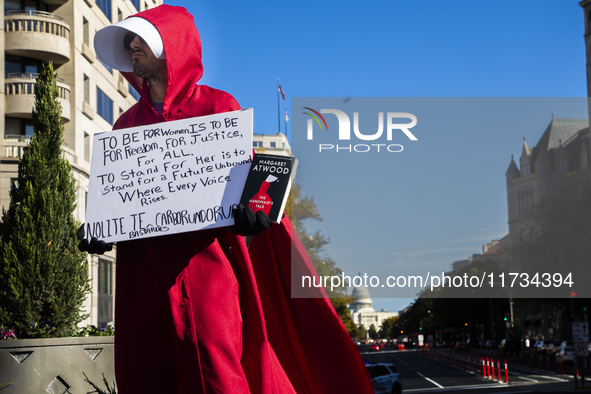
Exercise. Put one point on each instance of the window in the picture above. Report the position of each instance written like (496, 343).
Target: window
(14, 183)
(105, 282)
(18, 128)
(105, 290)
(85, 31)
(378, 370)
(28, 5)
(136, 4)
(11, 5)
(119, 15)
(110, 69)
(21, 65)
(104, 106)
(257, 144)
(273, 145)
(86, 89)
(86, 146)
(134, 93)
(105, 6)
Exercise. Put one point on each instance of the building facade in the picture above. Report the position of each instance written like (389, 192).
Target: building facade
(92, 97)
(271, 144)
(562, 152)
(556, 169)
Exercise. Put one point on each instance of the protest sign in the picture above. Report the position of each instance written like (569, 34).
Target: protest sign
(168, 178)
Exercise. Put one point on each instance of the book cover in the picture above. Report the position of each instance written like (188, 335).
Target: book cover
(268, 184)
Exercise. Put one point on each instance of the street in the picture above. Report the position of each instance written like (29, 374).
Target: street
(445, 370)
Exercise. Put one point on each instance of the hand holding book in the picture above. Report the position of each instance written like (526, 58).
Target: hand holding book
(247, 223)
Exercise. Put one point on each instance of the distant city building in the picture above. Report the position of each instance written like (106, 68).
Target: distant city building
(271, 144)
(558, 166)
(562, 151)
(362, 311)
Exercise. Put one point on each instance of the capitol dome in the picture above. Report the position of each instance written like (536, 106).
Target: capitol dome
(361, 292)
(363, 302)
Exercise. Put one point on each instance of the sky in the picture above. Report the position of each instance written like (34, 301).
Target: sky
(444, 196)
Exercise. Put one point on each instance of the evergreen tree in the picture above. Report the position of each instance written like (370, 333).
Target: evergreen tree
(43, 276)
(361, 332)
(388, 329)
(373, 333)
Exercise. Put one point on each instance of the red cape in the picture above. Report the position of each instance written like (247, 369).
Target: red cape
(195, 312)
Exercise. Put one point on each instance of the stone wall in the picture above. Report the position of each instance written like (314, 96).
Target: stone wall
(55, 365)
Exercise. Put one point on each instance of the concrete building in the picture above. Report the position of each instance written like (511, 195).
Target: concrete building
(271, 144)
(362, 311)
(562, 151)
(556, 167)
(92, 97)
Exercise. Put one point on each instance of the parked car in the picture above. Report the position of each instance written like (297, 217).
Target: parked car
(448, 343)
(409, 344)
(385, 378)
(552, 348)
(566, 354)
(492, 344)
(374, 347)
(541, 345)
(510, 346)
(545, 344)
(473, 343)
(567, 343)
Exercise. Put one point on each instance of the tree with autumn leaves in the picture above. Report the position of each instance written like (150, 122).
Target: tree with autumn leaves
(300, 210)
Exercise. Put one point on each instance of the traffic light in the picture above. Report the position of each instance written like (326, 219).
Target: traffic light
(421, 328)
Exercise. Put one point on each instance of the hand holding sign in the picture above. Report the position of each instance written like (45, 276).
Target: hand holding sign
(95, 246)
(168, 178)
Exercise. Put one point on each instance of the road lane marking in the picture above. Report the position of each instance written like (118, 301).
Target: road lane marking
(429, 380)
(541, 377)
(531, 380)
(552, 378)
(469, 387)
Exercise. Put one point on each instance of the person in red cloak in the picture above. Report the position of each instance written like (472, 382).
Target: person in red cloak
(198, 312)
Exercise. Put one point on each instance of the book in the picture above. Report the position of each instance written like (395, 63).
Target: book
(268, 184)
